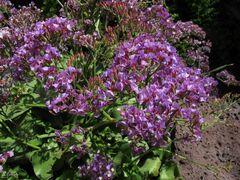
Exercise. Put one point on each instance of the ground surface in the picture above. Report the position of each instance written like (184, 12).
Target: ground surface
(217, 155)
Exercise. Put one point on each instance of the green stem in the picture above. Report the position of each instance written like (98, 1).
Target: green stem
(218, 69)
(30, 145)
(106, 115)
(36, 105)
(46, 135)
(17, 138)
(59, 2)
(103, 123)
(8, 129)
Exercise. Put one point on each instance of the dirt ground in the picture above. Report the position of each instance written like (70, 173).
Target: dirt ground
(217, 154)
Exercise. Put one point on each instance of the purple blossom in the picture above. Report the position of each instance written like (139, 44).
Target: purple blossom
(5, 5)
(80, 106)
(62, 138)
(195, 37)
(99, 169)
(149, 67)
(82, 39)
(80, 150)
(56, 25)
(24, 18)
(129, 3)
(60, 103)
(4, 157)
(5, 81)
(140, 125)
(73, 5)
(62, 82)
(228, 78)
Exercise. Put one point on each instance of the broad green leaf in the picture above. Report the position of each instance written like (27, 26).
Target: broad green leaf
(169, 171)
(135, 176)
(19, 113)
(162, 153)
(116, 114)
(66, 175)
(118, 158)
(7, 140)
(43, 162)
(151, 166)
(35, 142)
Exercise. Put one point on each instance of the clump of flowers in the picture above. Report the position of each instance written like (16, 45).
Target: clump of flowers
(4, 157)
(113, 78)
(100, 168)
(228, 78)
(149, 68)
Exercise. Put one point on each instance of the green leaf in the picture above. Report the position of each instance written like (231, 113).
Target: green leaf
(7, 140)
(97, 26)
(151, 166)
(118, 158)
(163, 153)
(66, 175)
(35, 142)
(169, 171)
(43, 162)
(116, 114)
(135, 176)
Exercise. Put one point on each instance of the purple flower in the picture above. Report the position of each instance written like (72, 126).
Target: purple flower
(228, 78)
(62, 138)
(149, 67)
(140, 125)
(62, 82)
(99, 169)
(4, 157)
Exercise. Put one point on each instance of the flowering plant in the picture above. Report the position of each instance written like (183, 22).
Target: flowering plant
(97, 92)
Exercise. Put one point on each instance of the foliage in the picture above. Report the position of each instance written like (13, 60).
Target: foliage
(97, 91)
(201, 12)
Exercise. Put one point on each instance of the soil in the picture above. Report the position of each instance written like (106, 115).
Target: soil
(217, 154)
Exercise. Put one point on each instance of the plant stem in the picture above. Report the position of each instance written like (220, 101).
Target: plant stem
(218, 69)
(36, 105)
(17, 138)
(103, 123)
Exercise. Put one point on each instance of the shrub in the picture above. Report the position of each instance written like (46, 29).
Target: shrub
(97, 92)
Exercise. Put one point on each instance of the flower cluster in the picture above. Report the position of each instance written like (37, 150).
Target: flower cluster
(3, 158)
(129, 3)
(37, 54)
(150, 68)
(90, 99)
(194, 37)
(5, 5)
(186, 33)
(24, 17)
(64, 138)
(157, 19)
(5, 81)
(228, 78)
(20, 21)
(62, 82)
(86, 40)
(100, 168)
